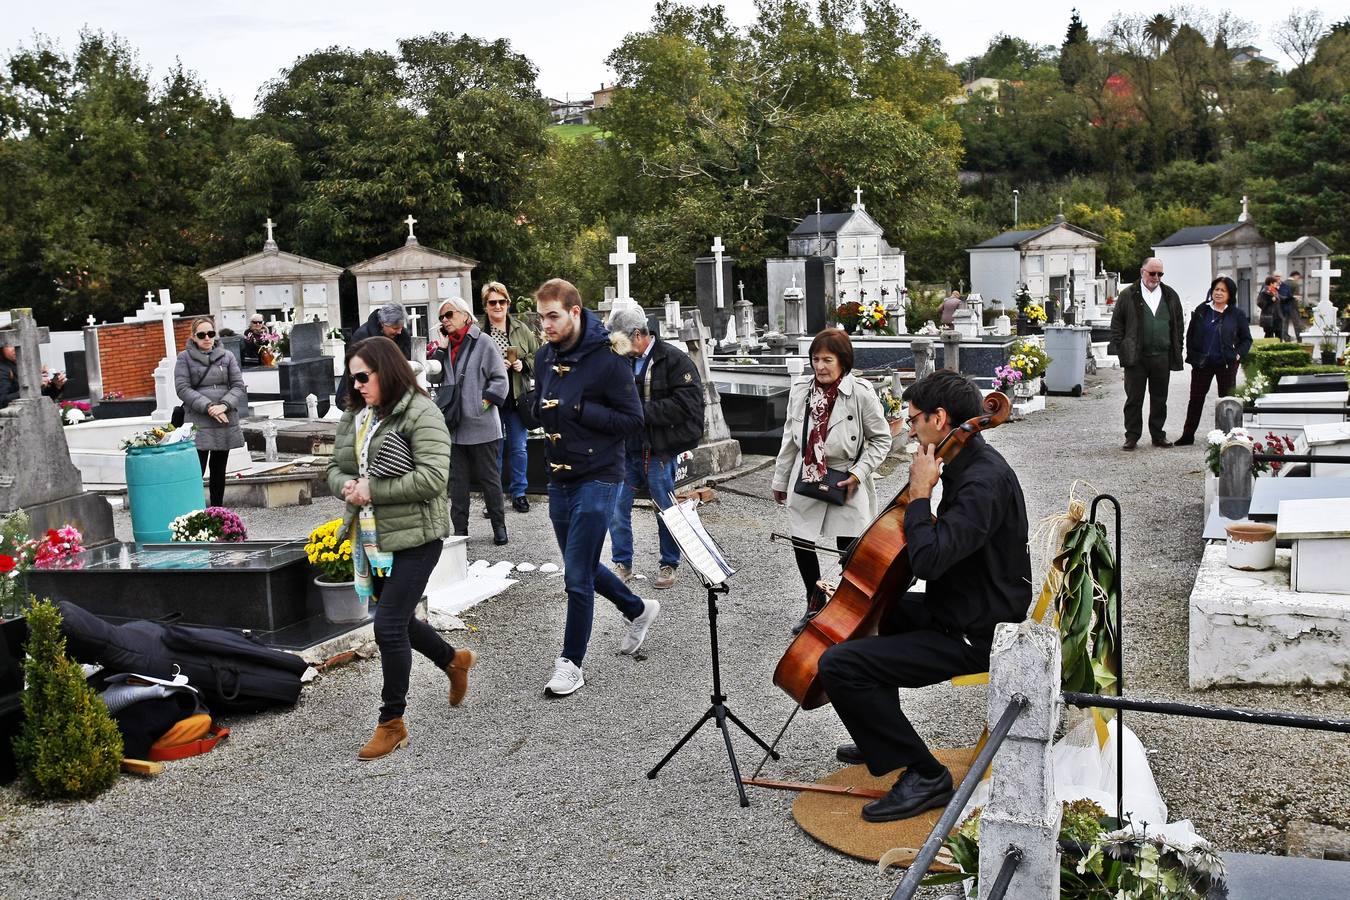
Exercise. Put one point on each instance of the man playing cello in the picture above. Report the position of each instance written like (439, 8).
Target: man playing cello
(974, 559)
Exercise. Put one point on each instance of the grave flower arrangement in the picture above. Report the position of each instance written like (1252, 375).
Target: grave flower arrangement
(892, 407)
(113, 395)
(332, 556)
(849, 314)
(151, 437)
(74, 411)
(1029, 359)
(56, 549)
(1034, 313)
(1005, 377)
(1254, 387)
(874, 319)
(215, 524)
(1216, 441)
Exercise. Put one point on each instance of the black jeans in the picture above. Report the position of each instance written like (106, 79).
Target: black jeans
(476, 465)
(862, 676)
(398, 631)
(218, 460)
(1201, 376)
(1152, 372)
(808, 564)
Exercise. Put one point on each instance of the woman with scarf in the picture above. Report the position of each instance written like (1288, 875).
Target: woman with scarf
(472, 386)
(1217, 339)
(518, 344)
(389, 460)
(210, 385)
(845, 430)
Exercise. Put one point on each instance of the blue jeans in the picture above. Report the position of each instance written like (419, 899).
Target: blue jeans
(580, 513)
(513, 444)
(659, 477)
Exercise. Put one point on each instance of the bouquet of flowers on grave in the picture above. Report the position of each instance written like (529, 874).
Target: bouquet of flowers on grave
(891, 406)
(849, 314)
(874, 319)
(331, 556)
(1005, 377)
(1034, 313)
(113, 395)
(13, 534)
(1022, 297)
(1216, 441)
(1252, 388)
(56, 549)
(1028, 358)
(151, 437)
(73, 411)
(215, 524)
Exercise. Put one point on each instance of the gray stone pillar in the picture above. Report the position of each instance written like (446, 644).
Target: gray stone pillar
(951, 351)
(1235, 480)
(1022, 810)
(1227, 414)
(923, 356)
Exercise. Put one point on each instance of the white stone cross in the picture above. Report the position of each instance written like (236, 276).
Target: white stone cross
(1325, 274)
(270, 225)
(1246, 215)
(857, 193)
(163, 310)
(718, 248)
(413, 318)
(149, 297)
(90, 321)
(741, 287)
(621, 259)
(410, 222)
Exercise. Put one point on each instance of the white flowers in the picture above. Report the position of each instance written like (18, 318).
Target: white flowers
(1215, 438)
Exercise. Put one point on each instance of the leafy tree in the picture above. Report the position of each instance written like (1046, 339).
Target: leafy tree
(1074, 52)
(1158, 31)
(1308, 162)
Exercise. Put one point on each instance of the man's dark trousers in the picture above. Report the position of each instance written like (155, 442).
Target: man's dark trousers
(861, 678)
(1154, 373)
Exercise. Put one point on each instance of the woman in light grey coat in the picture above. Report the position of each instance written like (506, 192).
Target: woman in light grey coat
(210, 386)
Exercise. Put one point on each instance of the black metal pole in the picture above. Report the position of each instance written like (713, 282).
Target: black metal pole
(917, 869)
(1120, 652)
(1191, 710)
(1011, 860)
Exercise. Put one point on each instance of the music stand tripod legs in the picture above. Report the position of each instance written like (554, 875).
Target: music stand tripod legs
(718, 711)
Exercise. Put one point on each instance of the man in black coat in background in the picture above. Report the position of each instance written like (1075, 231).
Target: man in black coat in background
(1146, 327)
(388, 321)
(672, 410)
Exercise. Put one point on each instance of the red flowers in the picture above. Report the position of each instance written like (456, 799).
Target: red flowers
(7, 564)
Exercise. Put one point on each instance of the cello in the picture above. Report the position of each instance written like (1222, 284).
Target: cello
(876, 567)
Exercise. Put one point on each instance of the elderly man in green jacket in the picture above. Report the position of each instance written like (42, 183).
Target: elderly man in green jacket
(1146, 328)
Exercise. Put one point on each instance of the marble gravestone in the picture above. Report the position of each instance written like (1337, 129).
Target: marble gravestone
(714, 315)
(306, 371)
(36, 474)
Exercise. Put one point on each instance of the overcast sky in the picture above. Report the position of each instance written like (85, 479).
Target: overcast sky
(243, 43)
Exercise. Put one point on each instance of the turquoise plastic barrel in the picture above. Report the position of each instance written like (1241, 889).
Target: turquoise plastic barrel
(163, 483)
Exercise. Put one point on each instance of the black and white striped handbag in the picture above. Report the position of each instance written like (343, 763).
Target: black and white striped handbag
(394, 458)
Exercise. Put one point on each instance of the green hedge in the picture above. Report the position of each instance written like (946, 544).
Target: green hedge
(1280, 371)
(1269, 354)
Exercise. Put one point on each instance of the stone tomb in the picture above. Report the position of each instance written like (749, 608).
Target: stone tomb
(1320, 532)
(306, 371)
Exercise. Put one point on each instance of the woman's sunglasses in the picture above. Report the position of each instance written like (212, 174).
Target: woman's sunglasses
(361, 377)
(498, 302)
(203, 335)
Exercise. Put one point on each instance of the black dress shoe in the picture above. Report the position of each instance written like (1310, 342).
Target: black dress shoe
(849, 755)
(520, 504)
(1162, 442)
(1185, 440)
(912, 794)
(1130, 444)
(499, 534)
(486, 514)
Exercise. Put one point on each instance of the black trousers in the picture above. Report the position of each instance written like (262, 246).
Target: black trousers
(808, 564)
(398, 631)
(1201, 376)
(862, 676)
(218, 460)
(1152, 372)
(479, 466)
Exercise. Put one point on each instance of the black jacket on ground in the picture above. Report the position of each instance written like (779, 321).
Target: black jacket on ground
(672, 400)
(1126, 317)
(974, 555)
(597, 406)
(1235, 334)
(368, 330)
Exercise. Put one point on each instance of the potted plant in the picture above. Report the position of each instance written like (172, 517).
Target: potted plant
(1006, 378)
(1031, 360)
(215, 524)
(331, 553)
(1327, 348)
(849, 314)
(874, 320)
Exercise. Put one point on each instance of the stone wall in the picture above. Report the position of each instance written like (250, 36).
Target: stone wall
(127, 354)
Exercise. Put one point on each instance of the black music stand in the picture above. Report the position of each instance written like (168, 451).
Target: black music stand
(696, 546)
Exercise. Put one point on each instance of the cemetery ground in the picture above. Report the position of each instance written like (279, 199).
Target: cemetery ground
(515, 795)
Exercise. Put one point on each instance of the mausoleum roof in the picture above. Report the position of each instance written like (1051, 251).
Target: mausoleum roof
(1196, 234)
(410, 257)
(1307, 245)
(821, 223)
(272, 264)
(1018, 240)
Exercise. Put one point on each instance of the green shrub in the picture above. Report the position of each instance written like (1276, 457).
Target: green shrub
(1264, 357)
(1280, 371)
(923, 307)
(69, 746)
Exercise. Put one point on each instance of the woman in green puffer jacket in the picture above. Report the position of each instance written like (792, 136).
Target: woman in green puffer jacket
(396, 520)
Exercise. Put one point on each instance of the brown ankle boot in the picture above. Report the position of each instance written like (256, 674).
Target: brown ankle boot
(458, 670)
(389, 736)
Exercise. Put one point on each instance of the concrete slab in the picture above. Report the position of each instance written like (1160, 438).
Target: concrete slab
(1254, 877)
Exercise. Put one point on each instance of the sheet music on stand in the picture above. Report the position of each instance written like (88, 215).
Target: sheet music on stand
(696, 545)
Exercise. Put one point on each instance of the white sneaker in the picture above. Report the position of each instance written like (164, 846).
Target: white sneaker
(566, 678)
(637, 629)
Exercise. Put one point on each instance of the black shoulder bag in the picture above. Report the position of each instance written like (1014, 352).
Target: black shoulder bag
(448, 395)
(179, 413)
(826, 490)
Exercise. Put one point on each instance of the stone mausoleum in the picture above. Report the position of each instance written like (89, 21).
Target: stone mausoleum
(1052, 261)
(273, 283)
(416, 277)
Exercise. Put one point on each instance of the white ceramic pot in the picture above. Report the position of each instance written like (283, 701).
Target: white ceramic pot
(1251, 546)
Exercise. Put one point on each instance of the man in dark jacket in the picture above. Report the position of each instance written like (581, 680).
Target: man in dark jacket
(587, 404)
(973, 558)
(672, 408)
(1146, 336)
(9, 376)
(389, 321)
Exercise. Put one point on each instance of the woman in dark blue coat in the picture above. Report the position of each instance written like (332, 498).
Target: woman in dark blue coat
(1217, 339)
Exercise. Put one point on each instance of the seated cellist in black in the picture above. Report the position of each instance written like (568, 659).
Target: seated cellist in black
(974, 561)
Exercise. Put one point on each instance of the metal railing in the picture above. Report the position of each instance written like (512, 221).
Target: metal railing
(919, 868)
(1012, 857)
(1194, 711)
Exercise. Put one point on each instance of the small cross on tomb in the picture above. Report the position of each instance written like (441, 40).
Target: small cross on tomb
(410, 222)
(163, 310)
(90, 321)
(270, 225)
(621, 259)
(741, 287)
(413, 318)
(718, 248)
(857, 193)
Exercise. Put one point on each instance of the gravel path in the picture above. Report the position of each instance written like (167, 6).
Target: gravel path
(513, 795)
